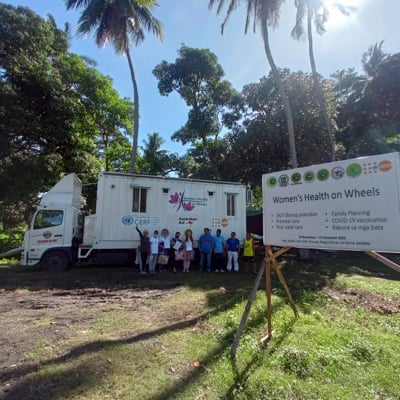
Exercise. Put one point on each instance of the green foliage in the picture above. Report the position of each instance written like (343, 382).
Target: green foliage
(36, 112)
(368, 112)
(361, 350)
(296, 361)
(264, 15)
(104, 120)
(58, 113)
(156, 161)
(197, 76)
(121, 23)
(261, 145)
(11, 237)
(180, 336)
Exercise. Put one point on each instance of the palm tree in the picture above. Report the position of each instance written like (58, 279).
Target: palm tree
(157, 160)
(266, 14)
(373, 58)
(316, 9)
(121, 22)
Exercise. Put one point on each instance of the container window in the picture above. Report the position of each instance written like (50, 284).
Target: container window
(139, 200)
(230, 205)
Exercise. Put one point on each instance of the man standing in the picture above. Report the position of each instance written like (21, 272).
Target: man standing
(219, 249)
(206, 246)
(232, 245)
(144, 249)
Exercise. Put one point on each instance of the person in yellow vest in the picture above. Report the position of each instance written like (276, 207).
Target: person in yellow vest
(249, 253)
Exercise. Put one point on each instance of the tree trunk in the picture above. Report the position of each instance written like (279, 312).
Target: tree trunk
(282, 91)
(317, 87)
(135, 114)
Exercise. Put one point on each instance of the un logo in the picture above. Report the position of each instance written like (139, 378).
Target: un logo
(127, 220)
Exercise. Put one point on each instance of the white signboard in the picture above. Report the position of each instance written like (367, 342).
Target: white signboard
(346, 205)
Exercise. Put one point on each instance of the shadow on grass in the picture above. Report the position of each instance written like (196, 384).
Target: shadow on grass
(242, 376)
(312, 275)
(302, 278)
(91, 348)
(111, 278)
(34, 381)
(58, 384)
(317, 274)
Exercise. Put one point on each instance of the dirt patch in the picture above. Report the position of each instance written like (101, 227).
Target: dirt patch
(48, 316)
(369, 301)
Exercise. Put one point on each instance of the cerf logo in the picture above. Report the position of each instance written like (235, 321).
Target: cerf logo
(47, 234)
(385, 165)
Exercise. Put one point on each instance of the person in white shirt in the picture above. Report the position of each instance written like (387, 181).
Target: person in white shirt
(164, 247)
(154, 243)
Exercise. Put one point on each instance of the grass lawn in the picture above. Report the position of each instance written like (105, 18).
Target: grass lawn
(168, 336)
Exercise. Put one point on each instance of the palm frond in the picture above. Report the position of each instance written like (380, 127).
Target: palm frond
(71, 4)
(298, 30)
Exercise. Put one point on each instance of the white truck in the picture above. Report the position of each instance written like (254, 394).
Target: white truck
(60, 234)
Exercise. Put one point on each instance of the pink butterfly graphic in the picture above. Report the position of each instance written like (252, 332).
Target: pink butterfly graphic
(174, 198)
(178, 198)
(188, 206)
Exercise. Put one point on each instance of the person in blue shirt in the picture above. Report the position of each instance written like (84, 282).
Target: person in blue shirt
(219, 250)
(232, 245)
(206, 246)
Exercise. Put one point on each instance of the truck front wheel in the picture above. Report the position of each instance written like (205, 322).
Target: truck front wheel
(55, 260)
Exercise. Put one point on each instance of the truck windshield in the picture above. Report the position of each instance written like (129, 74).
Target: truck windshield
(48, 218)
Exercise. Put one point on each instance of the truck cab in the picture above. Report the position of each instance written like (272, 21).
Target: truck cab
(56, 228)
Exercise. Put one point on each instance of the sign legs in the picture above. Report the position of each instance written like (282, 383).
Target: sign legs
(269, 261)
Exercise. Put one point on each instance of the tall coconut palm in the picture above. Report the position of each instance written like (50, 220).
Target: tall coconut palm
(317, 11)
(264, 13)
(123, 23)
(372, 59)
(157, 160)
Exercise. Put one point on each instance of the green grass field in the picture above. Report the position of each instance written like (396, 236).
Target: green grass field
(345, 344)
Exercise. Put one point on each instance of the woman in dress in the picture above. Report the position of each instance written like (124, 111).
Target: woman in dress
(188, 250)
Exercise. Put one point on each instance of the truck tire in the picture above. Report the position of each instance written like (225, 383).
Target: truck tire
(55, 260)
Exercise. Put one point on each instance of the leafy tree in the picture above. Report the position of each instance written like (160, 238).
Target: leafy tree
(35, 112)
(260, 145)
(103, 116)
(315, 10)
(197, 76)
(57, 113)
(265, 13)
(122, 23)
(368, 113)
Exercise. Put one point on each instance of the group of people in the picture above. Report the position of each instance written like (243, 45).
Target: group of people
(225, 253)
(159, 251)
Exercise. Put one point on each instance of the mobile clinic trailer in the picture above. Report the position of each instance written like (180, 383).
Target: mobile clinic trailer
(60, 235)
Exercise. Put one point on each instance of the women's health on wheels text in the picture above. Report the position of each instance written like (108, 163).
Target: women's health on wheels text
(347, 205)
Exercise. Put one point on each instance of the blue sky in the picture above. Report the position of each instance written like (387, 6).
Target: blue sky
(242, 56)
